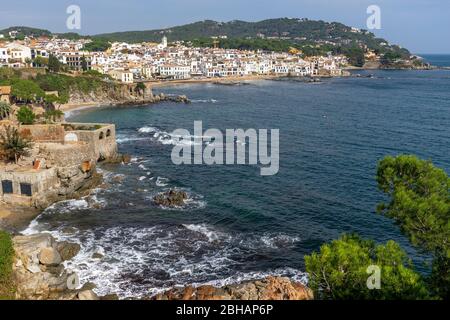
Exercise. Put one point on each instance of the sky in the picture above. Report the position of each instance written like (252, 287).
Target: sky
(422, 26)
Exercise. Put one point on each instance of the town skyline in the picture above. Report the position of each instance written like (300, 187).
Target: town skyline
(408, 23)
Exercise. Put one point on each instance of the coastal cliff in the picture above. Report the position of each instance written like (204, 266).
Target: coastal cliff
(39, 274)
(119, 94)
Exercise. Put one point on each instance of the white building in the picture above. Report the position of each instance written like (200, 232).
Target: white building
(122, 75)
(18, 54)
(173, 71)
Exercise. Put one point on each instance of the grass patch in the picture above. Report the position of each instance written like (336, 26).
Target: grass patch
(7, 287)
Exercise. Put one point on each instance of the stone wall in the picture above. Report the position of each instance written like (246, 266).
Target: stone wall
(44, 132)
(100, 137)
(40, 181)
(62, 164)
(69, 154)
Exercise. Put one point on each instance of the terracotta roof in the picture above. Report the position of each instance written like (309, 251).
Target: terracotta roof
(5, 90)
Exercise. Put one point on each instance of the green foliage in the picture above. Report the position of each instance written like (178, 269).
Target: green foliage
(25, 115)
(339, 271)
(6, 261)
(84, 64)
(354, 54)
(53, 115)
(54, 65)
(26, 90)
(13, 145)
(419, 201)
(5, 110)
(97, 45)
(7, 74)
(41, 62)
(64, 84)
(27, 31)
(140, 88)
(312, 37)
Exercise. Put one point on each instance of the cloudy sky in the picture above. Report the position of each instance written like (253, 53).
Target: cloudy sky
(419, 25)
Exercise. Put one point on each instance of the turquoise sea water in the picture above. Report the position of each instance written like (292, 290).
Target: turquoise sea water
(238, 224)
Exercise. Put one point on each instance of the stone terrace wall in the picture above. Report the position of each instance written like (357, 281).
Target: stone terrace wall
(102, 137)
(44, 132)
(63, 155)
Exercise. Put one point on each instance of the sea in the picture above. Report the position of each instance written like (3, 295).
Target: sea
(238, 225)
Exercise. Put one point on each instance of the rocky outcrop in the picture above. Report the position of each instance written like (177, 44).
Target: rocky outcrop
(271, 288)
(121, 94)
(39, 272)
(171, 199)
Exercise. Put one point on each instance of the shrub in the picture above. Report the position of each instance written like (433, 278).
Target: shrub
(5, 110)
(53, 115)
(6, 261)
(339, 271)
(13, 145)
(25, 115)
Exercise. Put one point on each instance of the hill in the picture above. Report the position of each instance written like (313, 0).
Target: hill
(26, 32)
(301, 32)
(282, 34)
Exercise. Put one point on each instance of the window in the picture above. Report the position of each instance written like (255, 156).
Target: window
(102, 135)
(25, 189)
(108, 133)
(7, 186)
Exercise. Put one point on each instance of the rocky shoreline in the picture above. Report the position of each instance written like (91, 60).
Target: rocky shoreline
(40, 274)
(79, 101)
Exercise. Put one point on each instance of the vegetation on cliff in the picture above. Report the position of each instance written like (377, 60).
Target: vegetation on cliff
(419, 202)
(6, 261)
(339, 271)
(34, 87)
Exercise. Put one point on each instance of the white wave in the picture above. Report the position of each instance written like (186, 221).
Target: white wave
(167, 138)
(141, 166)
(162, 182)
(204, 101)
(124, 139)
(143, 261)
(148, 130)
(204, 230)
(32, 228)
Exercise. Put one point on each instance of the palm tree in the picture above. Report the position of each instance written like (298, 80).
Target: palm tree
(13, 145)
(5, 110)
(53, 115)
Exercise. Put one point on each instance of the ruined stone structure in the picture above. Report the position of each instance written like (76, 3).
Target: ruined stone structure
(61, 164)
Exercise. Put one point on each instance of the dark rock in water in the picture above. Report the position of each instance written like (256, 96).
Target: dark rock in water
(118, 179)
(271, 288)
(119, 158)
(126, 158)
(97, 255)
(67, 250)
(171, 198)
